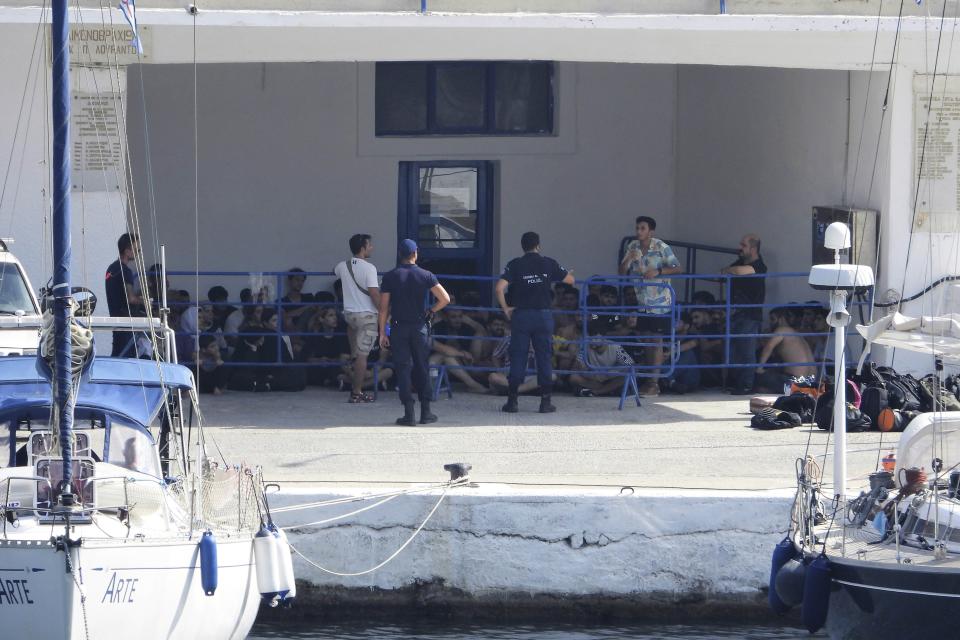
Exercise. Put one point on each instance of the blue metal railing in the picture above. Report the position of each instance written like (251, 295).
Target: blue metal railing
(587, 309)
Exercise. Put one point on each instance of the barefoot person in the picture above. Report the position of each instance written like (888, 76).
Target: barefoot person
(788, 349)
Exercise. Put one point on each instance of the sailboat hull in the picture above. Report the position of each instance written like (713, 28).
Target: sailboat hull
(149, 589)
(873, 600)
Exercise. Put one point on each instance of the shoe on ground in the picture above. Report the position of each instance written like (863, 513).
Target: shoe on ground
(405, 421)
(512, 406)
(428, 418)
(546, 406)
(583, 392)
(651, 389)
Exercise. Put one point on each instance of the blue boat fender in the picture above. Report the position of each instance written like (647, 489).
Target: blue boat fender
(816, 594)
(789, 583)
(208, 563)
(782, 553)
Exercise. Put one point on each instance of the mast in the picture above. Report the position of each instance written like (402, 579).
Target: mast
(839, 279)
(62, 300)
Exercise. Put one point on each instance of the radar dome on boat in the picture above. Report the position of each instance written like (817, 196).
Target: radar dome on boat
(837, 237)
(836, 276)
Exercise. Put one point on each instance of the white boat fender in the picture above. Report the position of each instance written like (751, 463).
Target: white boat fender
(208, 563)
(816, 594)
(789, 582)
(288, 580)
(268, 566)
(783, 552)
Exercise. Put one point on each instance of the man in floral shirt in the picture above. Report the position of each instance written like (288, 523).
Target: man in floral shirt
(650, 258)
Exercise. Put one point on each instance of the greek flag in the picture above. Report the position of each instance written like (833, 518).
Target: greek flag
(129, 10)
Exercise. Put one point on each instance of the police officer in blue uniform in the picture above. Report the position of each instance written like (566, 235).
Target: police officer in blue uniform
(403, 295)
(530, 278)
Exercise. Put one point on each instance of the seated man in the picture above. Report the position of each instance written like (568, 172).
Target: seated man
(326, 347)
(497, 328)
(685, 378)
(600, 354)
(566, 346)
(566, 299)
(788, 349)
(231, 325)
(710, 348)
(455, 346)
(296, 305)
(501, 358)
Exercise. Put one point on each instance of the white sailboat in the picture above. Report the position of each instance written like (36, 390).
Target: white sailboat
(883, 563)
(115, 521)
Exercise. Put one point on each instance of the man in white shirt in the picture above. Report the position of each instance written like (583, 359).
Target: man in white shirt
(361, 298)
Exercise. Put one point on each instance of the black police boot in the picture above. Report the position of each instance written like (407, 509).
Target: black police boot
(545, 405)
(409, 419)
(425, 416)
(512, 405)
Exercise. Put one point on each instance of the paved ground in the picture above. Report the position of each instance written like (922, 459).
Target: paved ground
(694, 441)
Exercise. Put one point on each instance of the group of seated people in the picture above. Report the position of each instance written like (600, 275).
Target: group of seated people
(248, 348)
(251, 346)
(798, 338)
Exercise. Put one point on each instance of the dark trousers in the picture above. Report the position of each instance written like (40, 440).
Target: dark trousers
(408, 342)
(534, 325)
(744, 350)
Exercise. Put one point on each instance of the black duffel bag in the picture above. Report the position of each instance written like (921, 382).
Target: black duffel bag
(856, 420)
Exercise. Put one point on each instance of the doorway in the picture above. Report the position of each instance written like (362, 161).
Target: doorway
(447, 207)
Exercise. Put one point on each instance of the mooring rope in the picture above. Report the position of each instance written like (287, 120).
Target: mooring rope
(369, 496)
(385, 562)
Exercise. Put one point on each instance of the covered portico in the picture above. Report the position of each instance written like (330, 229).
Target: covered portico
(716, 125)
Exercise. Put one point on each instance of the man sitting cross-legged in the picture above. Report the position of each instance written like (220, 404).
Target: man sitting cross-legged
(599, 354)
(501, 358)
(456, 345)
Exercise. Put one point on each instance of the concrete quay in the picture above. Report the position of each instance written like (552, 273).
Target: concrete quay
(676, 504)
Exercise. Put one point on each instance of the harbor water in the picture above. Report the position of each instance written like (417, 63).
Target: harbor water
(440, 631)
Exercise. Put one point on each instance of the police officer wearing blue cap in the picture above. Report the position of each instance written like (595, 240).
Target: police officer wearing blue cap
(530, 278)
(403, 293)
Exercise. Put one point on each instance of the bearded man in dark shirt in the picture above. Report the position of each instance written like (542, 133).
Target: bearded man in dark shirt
(748, 288)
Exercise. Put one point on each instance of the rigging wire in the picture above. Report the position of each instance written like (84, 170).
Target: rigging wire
(923, 150)
(866, 102)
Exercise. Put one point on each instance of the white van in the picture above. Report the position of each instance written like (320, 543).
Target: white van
(16, 299)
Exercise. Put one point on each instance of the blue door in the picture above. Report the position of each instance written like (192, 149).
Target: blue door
(446, 206)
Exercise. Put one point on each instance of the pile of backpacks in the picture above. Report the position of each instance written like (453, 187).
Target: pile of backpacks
(878, 398)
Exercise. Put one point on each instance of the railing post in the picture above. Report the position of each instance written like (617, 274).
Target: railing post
(280, 318)
(726, 339)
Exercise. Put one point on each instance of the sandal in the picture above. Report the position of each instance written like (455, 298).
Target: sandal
(360, 398)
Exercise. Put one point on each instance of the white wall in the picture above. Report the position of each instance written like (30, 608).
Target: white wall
(288, 172)
(757, 149)
(98, 216)
(289, 167)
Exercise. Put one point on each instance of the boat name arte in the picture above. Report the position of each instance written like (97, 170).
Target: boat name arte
(120, 590)
(14, 592)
